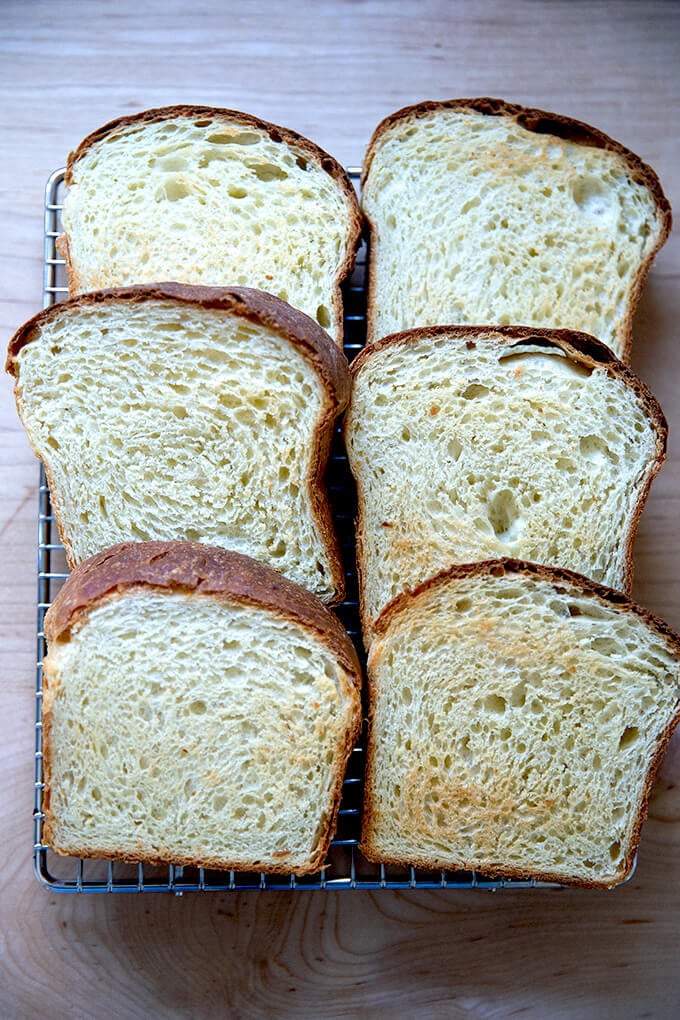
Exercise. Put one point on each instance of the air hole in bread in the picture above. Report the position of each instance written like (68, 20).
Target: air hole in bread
(454, 448)
(551, 359)
(279, 550)
(323, 316)
(592, 197)
(505, 517)
(596, 451)
(495, 704)
(172, 163)
(229, 138)
(174, 189)
(268, 172)
(566, 464)
(474, 391)
(629, 736)
(607, 646)
(471, 203)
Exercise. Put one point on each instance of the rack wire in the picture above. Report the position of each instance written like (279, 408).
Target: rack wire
(345, 866)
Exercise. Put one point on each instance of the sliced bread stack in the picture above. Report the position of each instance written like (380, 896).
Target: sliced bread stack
(518, 712)
(199, 708)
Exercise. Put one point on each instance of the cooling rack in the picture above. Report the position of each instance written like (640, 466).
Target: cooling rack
(345, 867)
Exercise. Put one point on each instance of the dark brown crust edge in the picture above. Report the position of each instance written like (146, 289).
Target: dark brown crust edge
(582, 349)
(541, 122)
(560, 579)
(264, 309)
(277, 134)
(228, 577)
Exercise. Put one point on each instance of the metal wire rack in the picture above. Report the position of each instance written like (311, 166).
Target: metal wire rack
(345, 868)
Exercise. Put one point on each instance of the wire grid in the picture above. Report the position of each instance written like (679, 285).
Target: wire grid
(345, 867)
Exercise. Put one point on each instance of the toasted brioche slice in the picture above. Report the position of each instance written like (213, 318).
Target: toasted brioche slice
(518, 715)
(212, 197)
(483, 211)
(472, 443)
(198, 708)
(173, 412)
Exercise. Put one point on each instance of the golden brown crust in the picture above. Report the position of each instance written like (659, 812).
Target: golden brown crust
(303, 145)
(559, 578)
(206, 572)
(202, 570)
(299, 329)
(541, 122)
(580, 348)
(209, 114)
(246, 302)
(553, 575)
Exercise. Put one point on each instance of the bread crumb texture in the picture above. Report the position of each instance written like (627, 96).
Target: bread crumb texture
(158, 420)
(477, 219)
(514, 726)
(467, 452)
(223, 745)
(208, 200)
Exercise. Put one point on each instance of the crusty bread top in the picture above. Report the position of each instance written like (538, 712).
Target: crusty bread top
(614, 323)
(306, 154)
(553, 575)
(192, 567)
(579, 347)
(254, 305)
(542, 122)
(275, 132)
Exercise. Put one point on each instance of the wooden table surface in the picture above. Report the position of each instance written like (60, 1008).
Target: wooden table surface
(331, 71)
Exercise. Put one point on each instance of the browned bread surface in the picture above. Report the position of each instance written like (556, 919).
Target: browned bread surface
(471, 442)
(518, 715)
(523, 246)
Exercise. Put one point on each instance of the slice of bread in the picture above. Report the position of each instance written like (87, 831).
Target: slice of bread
(517, 718)
(173, 412)
(198, 709)
(212, 197)
(471, 443)
(483, 211)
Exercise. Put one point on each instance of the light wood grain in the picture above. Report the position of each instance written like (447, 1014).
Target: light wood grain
(331, 71)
